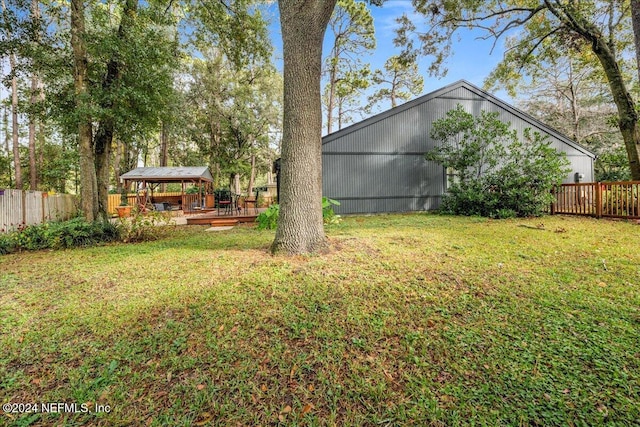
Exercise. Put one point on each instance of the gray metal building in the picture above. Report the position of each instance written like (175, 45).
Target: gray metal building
(378, 165)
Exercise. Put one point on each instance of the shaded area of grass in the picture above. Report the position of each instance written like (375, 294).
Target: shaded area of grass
(410, 320)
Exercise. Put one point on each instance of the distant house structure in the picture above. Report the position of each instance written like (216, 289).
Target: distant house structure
(378, 165)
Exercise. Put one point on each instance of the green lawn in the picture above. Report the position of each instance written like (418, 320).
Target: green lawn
(409, 320)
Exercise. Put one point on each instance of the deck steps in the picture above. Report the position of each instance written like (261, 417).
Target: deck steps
(224, 222)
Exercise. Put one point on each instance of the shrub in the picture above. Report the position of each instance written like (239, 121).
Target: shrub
(499, 175)
(142, 226)
(328, 214)
(58, 235)
(268, 220)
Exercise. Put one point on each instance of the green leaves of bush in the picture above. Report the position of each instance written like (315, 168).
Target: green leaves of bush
(268, 220)
(58, 235)
(499, 174)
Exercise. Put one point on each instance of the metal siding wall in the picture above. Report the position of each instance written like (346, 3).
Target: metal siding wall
(368, 170)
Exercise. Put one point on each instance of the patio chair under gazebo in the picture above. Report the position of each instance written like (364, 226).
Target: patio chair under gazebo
(196, 175)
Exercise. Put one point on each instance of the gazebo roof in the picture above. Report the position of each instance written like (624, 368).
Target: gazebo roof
(169, 174)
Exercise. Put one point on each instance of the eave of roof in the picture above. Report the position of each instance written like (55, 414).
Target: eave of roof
(440, 92)
(169, 174)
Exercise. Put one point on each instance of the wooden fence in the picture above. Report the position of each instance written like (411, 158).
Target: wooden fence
(599, 199)
(19, 208)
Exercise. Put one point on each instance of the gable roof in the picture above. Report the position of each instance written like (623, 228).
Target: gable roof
(169, 174)
(443, 91)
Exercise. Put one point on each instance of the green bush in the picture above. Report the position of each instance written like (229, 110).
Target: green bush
(328, 214)
(499, 175)
(58, 235)
(142, 226)
(268, 220)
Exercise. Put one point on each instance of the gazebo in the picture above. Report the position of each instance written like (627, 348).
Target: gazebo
(196, 175)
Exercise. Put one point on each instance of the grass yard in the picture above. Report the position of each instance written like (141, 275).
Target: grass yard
(410, 320)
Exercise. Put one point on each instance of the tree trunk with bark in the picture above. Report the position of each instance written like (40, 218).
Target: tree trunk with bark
(605, 52)
(88, 187)
(332, 96)
(627, 113)
(106, 127)
(15, 130)
(300, 228)
(252, 175)
(7, 142)
(635, 20)
(33, 100)
(164, 151)
(14, 114)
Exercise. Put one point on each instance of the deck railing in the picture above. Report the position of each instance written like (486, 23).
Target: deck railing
(599, 199)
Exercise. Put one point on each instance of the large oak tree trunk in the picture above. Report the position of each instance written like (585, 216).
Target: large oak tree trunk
(300, 228)
(88, 187)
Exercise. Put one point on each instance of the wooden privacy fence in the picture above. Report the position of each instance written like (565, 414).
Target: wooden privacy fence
(599, 199)
(19, 208)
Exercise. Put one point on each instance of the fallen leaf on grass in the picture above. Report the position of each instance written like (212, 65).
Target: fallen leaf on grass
(307, 408)
(169, 376)
(221, 328)
(206, 419)
(200, 386)
(286, 410)
(293, 371)
(263, 388)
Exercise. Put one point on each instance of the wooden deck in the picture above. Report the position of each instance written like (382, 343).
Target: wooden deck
(211, 217)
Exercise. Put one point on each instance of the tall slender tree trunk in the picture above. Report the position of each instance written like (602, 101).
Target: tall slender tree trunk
(7, 142)
(33, 100)
(33, 172)
(164, 151)
(15, 130)
(252, 175)
(332, 97)
(117, 165)
(300, 228)
(14, 114)
(88, 183)
(214, 143)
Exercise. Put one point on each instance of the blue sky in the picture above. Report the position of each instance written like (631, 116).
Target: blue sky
(471, 58)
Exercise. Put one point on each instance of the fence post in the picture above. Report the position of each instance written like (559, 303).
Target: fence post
(598, 200)
(552, 208)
